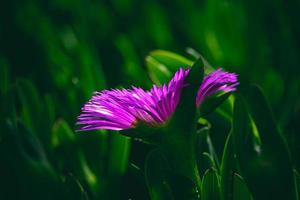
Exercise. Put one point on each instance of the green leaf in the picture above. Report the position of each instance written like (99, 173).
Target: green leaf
(187, 103)
(119, 154)
(266, 167)
(227, 169)
(212, 153)
(91, 74)
(196, 75)
(118, 163)
(165, 182)
(201, 146)
(212, 102)
(31, 104)
(163, 64)
(155, 175)
(158, 72)
(168, 177)
(209, 155)
(61, 134)
(209, 159)
(240, 189)
(89, 174)
(197, 55)
(264, 120)
(210, 185)
(205, 149)
(170, 59)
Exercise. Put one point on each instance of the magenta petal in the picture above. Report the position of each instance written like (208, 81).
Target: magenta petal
(122, 109)
(215, 82)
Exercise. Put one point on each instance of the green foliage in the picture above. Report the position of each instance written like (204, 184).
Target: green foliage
(163, 64)
(240, 189)
(55, 54)
(227, 169)
(156, 167)
(261, 160)
(163, 182)
(211, 185)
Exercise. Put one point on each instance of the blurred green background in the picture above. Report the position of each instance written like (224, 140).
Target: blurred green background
(54, 54)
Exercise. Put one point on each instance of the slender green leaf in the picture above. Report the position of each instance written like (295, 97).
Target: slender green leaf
(201, 146)
(209, 159)
(118, 163)
(91, 74)
(227, 169)
(31, 104)
(61, 134)
(207, 156)
(212, 152)
(240, 189)
(265, 167)
(119, 155)
(210, 185)
(89, 174)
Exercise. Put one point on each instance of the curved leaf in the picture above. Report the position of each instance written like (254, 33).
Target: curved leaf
(240, 189)
(210, 185)
(227, 169)
(163, 64)
(266, 167)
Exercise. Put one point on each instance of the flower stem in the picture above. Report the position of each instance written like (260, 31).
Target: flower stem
(179, 150)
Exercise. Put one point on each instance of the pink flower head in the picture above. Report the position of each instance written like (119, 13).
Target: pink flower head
(214, 82)
(120, 109)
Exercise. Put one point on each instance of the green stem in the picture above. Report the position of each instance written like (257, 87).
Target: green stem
(179, 150)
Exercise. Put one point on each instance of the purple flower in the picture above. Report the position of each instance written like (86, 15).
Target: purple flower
(120, 109)
(215, 82)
